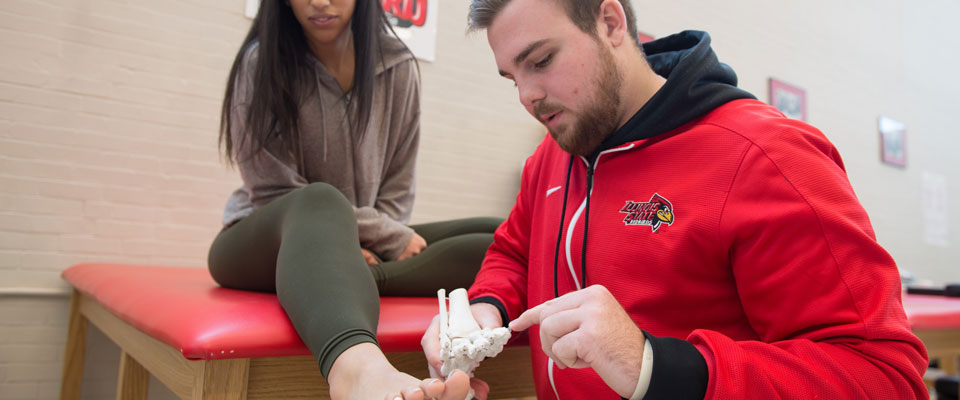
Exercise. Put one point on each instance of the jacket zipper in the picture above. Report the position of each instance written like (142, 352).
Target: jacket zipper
(573, 223)
(586, 224)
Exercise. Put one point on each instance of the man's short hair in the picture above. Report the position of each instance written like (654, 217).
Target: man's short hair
(583, 14)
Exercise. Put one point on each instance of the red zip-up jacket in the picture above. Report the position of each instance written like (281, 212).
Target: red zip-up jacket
(762, 262)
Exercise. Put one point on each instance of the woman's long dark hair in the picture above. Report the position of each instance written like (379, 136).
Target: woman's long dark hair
(282, 77)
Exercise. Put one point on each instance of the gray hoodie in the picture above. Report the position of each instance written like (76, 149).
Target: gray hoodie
(376, 175)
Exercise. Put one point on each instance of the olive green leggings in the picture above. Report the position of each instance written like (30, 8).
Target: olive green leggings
(304, 246)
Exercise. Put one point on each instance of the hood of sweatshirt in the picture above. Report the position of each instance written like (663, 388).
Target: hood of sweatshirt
(697, 82)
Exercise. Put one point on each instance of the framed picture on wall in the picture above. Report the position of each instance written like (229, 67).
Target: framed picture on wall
(893, 141)
(789, 99)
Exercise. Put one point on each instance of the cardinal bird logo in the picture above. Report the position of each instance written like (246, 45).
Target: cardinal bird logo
(655, 213)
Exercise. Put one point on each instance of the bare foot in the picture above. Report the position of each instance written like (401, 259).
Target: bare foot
(456, 387)
(362, 372)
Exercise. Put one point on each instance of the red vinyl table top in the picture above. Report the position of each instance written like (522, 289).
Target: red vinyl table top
(932, 313)
(186, 309)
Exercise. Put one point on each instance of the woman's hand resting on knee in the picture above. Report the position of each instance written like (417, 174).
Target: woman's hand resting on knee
(369, 257)
(416, 245)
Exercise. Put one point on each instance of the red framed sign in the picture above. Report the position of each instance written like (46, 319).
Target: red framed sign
(789, 99)
(893, 141)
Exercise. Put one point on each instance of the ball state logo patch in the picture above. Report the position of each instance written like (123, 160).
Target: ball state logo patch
(656, 212)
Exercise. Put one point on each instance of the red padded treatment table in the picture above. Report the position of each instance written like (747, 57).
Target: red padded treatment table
(936, 321)
(932, 313)
(206, 342)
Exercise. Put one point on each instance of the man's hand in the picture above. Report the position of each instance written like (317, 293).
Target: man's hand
(589, 328)
(416, 245)
(487, 316)
(369, 257)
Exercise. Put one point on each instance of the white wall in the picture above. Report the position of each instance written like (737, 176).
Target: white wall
(109, 113)
(856, 60)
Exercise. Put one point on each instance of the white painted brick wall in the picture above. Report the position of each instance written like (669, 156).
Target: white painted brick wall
(108, 123)
(109, 114)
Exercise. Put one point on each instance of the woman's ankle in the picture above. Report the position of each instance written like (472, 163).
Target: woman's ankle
(362, 358)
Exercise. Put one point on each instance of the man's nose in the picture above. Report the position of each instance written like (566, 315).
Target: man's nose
(530, 93)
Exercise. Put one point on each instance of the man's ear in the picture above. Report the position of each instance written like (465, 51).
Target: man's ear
(612, 22)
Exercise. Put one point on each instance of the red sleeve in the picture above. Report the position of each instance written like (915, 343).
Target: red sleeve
(503, 275)
(818, 289)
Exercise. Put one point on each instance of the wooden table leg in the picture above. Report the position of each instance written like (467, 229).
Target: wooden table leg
(72, 378)
(222, 380)
(943, 345)
(133, 380)
(948, 363)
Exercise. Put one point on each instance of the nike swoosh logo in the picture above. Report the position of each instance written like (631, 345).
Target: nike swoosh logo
(551, 190)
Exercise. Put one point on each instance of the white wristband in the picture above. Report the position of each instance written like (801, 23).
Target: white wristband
(646, 369)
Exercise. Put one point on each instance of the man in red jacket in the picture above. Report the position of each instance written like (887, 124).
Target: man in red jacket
(674, 237)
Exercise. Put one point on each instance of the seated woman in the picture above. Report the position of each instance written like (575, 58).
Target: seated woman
(322, 118)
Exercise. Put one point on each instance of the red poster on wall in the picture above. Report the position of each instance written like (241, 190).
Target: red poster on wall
(415, 22)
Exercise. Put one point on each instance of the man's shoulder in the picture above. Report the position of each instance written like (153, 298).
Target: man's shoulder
(793, 146)
(742, 115)
(760, 123)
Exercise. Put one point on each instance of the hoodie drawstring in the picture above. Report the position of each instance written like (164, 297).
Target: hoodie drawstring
(563, 211)
(586, 224)
(316, 79)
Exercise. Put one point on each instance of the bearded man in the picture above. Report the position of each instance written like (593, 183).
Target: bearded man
(674, 237)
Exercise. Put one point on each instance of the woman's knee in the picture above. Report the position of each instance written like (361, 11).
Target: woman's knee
(320, 195)
(316, 206)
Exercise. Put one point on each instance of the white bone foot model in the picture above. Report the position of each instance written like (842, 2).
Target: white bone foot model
(462, 343)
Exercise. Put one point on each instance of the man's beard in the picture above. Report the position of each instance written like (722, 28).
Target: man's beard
(598, 119)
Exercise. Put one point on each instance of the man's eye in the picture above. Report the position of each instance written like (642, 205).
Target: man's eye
(544, 62)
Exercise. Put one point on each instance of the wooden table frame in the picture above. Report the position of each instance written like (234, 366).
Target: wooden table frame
(944, 345)
(509, 374)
